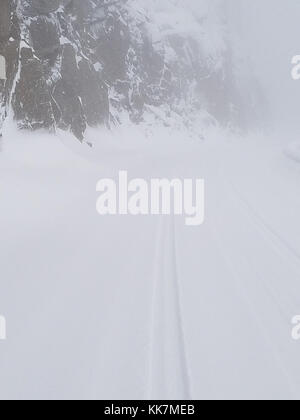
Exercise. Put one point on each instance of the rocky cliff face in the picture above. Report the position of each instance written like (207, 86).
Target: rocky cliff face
(78, 63)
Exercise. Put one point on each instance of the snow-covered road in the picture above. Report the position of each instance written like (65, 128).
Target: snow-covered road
(137, 307)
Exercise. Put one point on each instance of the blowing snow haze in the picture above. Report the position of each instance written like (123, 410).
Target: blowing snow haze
(124, 303)
(73, 64)
(270, 34)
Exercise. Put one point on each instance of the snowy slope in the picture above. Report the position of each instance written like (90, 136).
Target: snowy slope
(201, 313)
(200, 20)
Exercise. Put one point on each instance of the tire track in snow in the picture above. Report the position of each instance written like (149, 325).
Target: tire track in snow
(268, 234)
(246, 294)
(261, 328)
(168, 376)
(263, 225)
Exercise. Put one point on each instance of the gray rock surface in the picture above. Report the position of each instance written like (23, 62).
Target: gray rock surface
(78, 63)
(5, 20)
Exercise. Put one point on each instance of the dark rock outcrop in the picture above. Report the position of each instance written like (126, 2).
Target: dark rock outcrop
(78, 63)
(5, 19)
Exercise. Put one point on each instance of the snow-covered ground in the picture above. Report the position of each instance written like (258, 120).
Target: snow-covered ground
(130, 307)
(145, 307)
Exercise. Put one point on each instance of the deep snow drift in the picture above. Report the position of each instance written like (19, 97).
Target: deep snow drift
(133, 307)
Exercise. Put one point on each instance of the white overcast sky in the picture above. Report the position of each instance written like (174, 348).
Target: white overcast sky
(270, 31)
